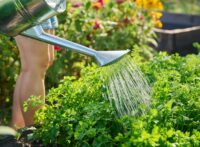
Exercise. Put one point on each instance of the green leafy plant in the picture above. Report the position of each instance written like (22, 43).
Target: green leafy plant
(197, 45)
(77, 115)
(176, 84)
(32, 102)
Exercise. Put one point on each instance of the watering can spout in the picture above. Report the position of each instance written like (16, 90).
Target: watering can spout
(108, 57)
(102, 57)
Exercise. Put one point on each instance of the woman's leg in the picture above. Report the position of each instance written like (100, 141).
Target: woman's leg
(17, 117)
(36, 57)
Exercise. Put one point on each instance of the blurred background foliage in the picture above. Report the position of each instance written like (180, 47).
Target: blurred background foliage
(110, 26)
(9, 67)
(182, 6)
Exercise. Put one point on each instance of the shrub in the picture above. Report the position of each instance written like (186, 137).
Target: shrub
(77, 115)
(176, 90)
(9, 67)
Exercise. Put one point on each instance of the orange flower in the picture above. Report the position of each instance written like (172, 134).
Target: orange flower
(97, 5)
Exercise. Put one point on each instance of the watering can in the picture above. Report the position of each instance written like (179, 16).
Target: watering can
(23, 17)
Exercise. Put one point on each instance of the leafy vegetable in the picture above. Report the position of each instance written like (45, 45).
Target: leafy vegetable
(77, 115)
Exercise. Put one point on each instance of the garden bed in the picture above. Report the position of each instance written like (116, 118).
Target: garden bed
(178, 34)
(77, 111)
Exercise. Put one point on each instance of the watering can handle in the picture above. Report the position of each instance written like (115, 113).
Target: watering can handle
(38, 33)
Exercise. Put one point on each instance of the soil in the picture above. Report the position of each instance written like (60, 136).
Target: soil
(10, 141)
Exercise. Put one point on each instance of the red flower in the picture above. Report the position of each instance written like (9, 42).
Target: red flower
(97, 24)
(141, 17)
(101, 2)
(57, 48)
(76, 5)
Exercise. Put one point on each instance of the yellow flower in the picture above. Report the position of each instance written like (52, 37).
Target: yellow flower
(150, 4)
(106, 1)
(139, 3)
(160, 6)
(156, 15)
(158, 24)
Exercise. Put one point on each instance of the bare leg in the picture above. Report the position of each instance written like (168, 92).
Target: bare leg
(35, 59)
(17, 117)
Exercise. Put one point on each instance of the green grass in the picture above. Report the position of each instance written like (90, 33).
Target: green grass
(182, 6)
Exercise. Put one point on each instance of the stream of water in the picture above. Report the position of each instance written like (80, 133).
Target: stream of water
(127, 89)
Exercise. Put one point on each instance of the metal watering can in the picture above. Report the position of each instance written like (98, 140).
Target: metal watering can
(22, 17)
